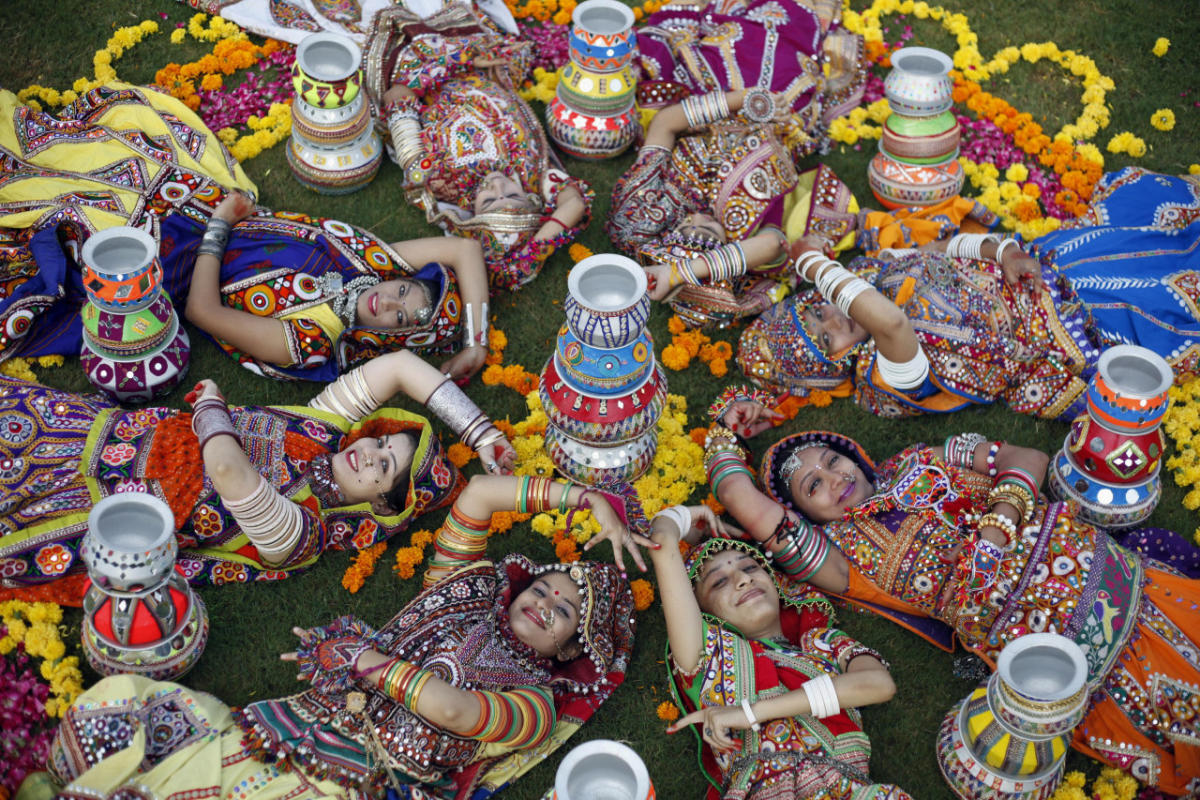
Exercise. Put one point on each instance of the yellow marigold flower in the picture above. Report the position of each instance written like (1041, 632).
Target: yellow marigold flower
(8, 644)
(667, 712)
(1017, 173)
(643, 594)
(1161, 45)
(1009, 191)
(1075, 778)
(1194, 169)
(1136, 148)
(1163, 119)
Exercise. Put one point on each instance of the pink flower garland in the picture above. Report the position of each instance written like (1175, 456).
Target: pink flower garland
(270, 83)
(984, 142)
(551, 50)
(25, 730)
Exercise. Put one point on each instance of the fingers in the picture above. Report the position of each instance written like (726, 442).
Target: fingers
(293, 656)
(619, 557)
(636, 552)
(684, 721)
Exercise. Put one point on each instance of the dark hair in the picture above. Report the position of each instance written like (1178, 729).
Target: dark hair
(396, 496)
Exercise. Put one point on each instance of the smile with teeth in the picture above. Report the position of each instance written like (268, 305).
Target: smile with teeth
(373, 302)
(535, 617)
(352, 460)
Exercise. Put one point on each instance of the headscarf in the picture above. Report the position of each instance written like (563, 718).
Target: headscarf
(775, 470)
(778, 350)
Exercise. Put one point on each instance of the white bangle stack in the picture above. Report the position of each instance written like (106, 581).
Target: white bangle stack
(968, 245)
(1000, 248)
(822, 697)
(680, 516)
(405, 128)
(827, 275)
(904, 375)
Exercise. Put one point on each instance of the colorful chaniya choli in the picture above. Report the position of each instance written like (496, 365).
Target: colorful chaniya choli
(61, 453)
(910, 542)
(472, 123)
(800, 756)
(118, 155)
(296, 269)
(795, 48)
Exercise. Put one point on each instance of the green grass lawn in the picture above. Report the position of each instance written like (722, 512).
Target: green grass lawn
(51, 42)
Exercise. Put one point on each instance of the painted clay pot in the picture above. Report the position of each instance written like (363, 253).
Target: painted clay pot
(602, 770)
(330, 127)
(129, 334)
(600, 465)
(140, 616)
(1110, 461)
(327, 72)
(606, 304)
(590, 418)
(120, 269)
(602, 36)
(335, 170)
(139, 379)
(934, 141)
(596, 93)
(896, 184)
(601, 371)
(1008, 738)
(588, 136)
(919, 84)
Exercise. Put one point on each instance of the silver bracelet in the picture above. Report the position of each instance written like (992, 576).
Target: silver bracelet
(216, 238)
(210, 418)
(452, 406)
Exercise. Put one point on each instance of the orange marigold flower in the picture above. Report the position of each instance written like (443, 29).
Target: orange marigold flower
(363, 566)
(211, 83)
(789, 407)
(675, 357)
(724, 350)
(578, 252)
(459, 454)
(691, 341)
(643, 594)
(493, 374)
(422, 538)
(667, 712)
(565, 551)
(1027, 210)
(638, 14)
(684, 548)
(1031, 190)
(718, 367)
(192, 101)
(676, 325)
(505, 427)
(528, 382)
(819, 398)
(698, 435)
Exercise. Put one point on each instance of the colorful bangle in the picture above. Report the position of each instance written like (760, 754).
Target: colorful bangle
(991, 458)
(1006, 526)
(737, 394)
(960, 449)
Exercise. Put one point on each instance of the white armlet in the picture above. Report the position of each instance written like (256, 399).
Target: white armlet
(906, 375)
(271, 522)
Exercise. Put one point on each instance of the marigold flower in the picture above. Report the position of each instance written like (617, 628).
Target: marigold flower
(1163, 119)
(667, 712)
(718, 367)
(643, 594)
(675, 357)
(1161, 45)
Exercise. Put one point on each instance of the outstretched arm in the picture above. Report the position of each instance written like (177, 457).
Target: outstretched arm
(685, 629)
(262, 338)
(764, 247)
(880, 317)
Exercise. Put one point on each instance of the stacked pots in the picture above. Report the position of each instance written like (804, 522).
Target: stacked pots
(133, 345)
(593, 113)
(334, 148)
(1109, 462)
(602, 389)
(140, 615)
(1008, 738)
(917, 164)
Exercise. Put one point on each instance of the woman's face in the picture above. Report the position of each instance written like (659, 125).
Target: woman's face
(701, 226)
(499, 192)
(826, 483)
(392, 304)
(832, 330)
(734, 587)
(370, 467)
(548, 612)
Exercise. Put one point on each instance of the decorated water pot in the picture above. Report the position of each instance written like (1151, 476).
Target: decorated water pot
(596, 93)
(135, 333)
(331, 127)
(603, 372)
(600, 464)
(597, 419)
(589, 136)
(919, 84)
(1007, 739)
(327, 72)
(1111, 459)
(335, 170)
(602, 770)
(140, 615)
(120, 269)
(602, 36)
(139, 378)
(606, 303)
(921, 140)
(897, 184)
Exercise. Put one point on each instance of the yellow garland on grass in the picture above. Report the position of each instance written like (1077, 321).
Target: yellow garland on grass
(123, 39)
(1111, 784)
(22, 368)
(38, 626)
(1182, 424)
